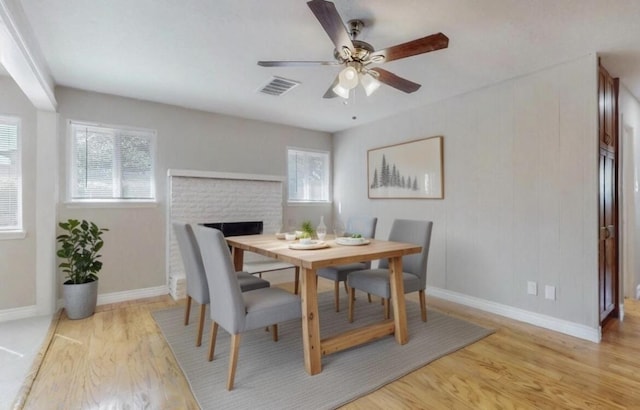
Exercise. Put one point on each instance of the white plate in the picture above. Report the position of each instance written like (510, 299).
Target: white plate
(352, 241)
(312, 245)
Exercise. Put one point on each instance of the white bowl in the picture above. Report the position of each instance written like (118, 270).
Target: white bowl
(290, 236)
(306, 241)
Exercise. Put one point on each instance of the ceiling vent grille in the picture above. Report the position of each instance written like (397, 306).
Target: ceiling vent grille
(278, 86)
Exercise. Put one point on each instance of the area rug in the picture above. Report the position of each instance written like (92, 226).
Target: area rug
(271, 375)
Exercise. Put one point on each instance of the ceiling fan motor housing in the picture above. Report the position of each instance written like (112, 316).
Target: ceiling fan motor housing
(361, 51)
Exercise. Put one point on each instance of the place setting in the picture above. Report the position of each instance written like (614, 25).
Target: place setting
(354, 240)
(303, 239)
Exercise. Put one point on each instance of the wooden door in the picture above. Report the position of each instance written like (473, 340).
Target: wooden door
(608, 198)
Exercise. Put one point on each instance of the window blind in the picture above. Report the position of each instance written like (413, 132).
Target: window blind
(308, 175)
(111, 163)
(10, 175)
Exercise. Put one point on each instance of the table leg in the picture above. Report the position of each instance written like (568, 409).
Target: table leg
(238, 259)
(310, 323)
(397, 298)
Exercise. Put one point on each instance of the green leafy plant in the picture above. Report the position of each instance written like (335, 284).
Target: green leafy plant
(79, 247)
(356, 235)
(308, 229)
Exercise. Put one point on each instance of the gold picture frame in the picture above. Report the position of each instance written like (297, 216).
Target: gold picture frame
(411, 170)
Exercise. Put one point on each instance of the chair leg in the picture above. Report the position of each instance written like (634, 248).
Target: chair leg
(352, 296)
(423, 305)
(212, 340)
(233, 360)
(203, 309)
(187, 310)
(346, 289)
(336, 295)
(296, 281)
(369, 297)
(274, 332)
(387, 308)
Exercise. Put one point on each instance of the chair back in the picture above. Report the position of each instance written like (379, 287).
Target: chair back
(364, 225)
(415, 232)
(227, 305)
(197, 286)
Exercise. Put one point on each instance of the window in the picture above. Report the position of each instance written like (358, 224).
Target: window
(111, 164)
(308, 175)
(10, 175)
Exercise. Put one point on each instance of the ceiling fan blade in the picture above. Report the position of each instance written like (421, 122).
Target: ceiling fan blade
(330, 93)
(327, 15)
(295, 63)
(411, 48)
(396, 82)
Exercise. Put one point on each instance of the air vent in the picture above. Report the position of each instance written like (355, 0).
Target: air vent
(278, 86)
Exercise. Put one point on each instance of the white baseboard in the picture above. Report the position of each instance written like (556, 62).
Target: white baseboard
(18, 313)
(537, 319)
(126, 295)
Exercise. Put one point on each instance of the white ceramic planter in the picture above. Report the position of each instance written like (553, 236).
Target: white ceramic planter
(80, 300)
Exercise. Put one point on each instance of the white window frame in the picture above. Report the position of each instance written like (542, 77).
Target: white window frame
(110, 202)
(327, 154)
(17, 231)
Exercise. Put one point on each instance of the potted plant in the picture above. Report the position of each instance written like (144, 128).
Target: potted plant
(307, 229)
(79, 247)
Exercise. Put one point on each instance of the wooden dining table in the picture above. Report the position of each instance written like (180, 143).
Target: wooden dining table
(309, 261)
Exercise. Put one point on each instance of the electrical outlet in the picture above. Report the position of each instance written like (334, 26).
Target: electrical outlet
(532, 288)
(550, 292)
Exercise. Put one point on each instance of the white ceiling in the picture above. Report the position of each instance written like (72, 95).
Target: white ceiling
(202, 54)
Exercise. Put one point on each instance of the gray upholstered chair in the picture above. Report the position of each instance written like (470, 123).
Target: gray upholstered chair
(365, 226)
(235, 311)
(414, 267)
(197, 287)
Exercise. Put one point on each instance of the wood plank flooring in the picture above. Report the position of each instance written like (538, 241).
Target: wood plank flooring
(119, 359)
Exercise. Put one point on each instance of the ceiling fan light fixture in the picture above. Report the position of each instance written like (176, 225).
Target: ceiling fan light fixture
(341, 91)
(348, 77)
(369, 83)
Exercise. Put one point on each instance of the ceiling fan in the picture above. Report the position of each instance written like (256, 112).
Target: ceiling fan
(356, 56)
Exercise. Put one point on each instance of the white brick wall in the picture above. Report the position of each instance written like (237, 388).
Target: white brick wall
(219, 199)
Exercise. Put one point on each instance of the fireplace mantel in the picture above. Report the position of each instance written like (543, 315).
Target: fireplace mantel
(189, 173)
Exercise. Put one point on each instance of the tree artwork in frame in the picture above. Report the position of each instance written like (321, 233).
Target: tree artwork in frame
(408, 170)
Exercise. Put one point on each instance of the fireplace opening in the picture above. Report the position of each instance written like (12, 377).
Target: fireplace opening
(237, 228)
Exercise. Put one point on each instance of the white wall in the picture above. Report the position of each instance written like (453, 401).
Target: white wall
(134, 252)
(17, 256)
(520, 172)
(629, 109)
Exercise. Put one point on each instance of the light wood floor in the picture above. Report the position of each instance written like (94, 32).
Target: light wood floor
(118, 359)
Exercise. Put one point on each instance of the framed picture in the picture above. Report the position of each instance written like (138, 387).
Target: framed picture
(408, 170)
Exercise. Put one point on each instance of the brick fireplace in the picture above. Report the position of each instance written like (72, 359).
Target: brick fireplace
(201, 197)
